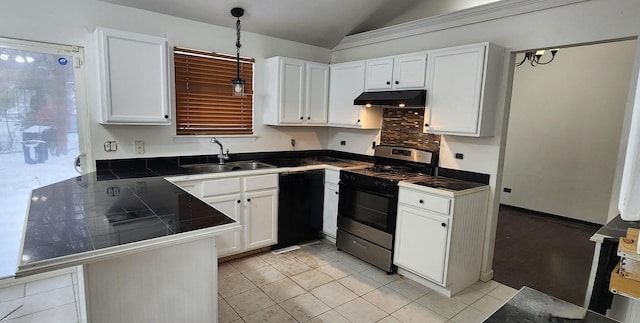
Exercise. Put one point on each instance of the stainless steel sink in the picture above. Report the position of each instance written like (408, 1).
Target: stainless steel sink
(248, 165)
(206, 168)
(228, 167)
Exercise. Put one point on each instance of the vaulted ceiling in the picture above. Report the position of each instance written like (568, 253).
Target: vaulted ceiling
(319, 22)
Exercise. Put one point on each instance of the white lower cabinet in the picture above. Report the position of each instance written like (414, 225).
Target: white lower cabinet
(422, 246)
(261, 213)
(250, 200)
(230, 205)
(440, 237)
(330, 209)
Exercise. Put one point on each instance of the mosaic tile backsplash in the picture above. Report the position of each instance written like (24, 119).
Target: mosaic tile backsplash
(403, 127)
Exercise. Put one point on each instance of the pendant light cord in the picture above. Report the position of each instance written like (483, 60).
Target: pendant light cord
(238, 47)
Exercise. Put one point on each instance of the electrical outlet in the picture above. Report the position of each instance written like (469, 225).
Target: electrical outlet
(139, 146)
(506, 190)
(343, 143)
(110, 146)
(373, 145)
(293, 142)
(459, 156)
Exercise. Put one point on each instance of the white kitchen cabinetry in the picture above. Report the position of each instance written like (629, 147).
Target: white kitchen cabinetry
(462, 86)
(297, 92)
(439, 237)
(134, 78)
(226, 196)
(346, 83)
(330, 210)
(396, 73)
(261, 211)
(250, 200)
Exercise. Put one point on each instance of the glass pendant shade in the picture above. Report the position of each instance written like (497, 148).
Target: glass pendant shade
(237, 85)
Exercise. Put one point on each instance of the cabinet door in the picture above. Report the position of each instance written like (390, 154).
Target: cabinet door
(421, 243)
(133, 78)
(454, 81)
(409, 71)
(379, 74)
(346, 83)
(231, 242)
(330, 211)
(291, 91)
(261, 214)
(317, 93)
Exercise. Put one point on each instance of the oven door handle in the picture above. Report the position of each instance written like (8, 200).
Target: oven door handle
(366, 190)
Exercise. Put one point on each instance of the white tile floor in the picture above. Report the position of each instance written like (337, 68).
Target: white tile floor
(52, 299)
(314, 284)
(317, 283)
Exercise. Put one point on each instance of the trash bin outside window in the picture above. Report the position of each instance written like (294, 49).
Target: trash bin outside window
(35, 151)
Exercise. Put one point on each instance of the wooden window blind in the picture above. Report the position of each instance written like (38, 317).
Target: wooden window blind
(205, 104)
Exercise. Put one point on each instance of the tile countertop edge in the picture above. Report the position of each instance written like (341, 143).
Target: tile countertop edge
(253, 172)
(443, 192)
(122, 250)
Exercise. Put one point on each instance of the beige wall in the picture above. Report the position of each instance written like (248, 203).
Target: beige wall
(564, 131)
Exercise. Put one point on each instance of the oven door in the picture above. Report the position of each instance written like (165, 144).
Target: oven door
(367, 206)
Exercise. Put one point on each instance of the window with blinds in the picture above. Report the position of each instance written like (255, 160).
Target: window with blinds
(205, 104)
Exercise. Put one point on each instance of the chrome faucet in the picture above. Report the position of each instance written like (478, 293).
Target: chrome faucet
(222, 156)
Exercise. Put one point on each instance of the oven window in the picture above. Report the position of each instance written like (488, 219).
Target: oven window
(365, 207)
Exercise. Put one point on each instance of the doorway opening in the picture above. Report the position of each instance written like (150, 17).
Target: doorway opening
(561, 154)
(39, 130)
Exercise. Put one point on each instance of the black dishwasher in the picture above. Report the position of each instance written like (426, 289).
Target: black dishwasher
(300, 204)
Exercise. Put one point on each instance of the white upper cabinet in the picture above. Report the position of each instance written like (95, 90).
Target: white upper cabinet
(317, 90)
(396, 73)
(346, 83)
(297, 92)
(134, 78)
(462, 85)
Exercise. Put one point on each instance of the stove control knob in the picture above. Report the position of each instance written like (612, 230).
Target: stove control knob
(384, 185)
(376, 184)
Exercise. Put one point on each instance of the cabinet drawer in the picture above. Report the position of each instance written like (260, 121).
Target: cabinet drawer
(193, 187)
(261, 182)
(221, 186)
(331, 176)
(425, 201)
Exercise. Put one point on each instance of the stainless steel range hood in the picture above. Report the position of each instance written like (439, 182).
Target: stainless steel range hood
(408, 98)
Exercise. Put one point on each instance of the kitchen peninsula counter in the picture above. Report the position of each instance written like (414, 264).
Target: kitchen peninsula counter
(141, 239)
(83, 219)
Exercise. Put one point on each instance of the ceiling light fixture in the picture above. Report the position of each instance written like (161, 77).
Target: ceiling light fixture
(238, 83)
(535, 56)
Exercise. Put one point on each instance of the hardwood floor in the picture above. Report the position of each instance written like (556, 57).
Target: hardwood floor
(547, 253)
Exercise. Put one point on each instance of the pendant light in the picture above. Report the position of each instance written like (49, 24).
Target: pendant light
(238, 83)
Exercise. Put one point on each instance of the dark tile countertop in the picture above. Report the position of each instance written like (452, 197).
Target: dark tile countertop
(171, 166)
(530, 305)
(71, 221)
(616, 228)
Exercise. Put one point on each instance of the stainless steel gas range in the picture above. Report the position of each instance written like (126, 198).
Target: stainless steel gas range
(368, 202)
